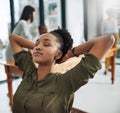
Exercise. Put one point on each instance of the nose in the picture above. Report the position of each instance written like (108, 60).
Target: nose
(39, 47)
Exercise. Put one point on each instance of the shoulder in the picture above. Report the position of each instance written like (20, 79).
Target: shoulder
(22, 54)
(22, 22)
(90, 62)
(24, 61)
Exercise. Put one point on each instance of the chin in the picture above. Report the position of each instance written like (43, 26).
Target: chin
(36, 60)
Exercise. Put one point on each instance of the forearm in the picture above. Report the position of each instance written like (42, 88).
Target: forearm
(98, 46)
(18, 43)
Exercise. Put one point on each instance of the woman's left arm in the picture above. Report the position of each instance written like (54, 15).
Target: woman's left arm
(97, 46)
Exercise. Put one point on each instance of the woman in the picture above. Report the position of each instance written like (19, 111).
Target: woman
(22, 28)
(110, 24)
(41, 90)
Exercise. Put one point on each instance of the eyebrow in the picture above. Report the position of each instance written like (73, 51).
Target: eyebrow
(43, 40)
(47, 39)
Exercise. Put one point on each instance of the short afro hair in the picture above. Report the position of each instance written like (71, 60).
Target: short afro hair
(67, 41)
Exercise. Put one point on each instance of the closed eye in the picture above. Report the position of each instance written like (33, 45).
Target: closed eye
(47, 44)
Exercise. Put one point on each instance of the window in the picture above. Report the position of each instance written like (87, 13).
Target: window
(52, 14)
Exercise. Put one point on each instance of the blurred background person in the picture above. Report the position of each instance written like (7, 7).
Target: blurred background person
(110, 24)
(22, 28)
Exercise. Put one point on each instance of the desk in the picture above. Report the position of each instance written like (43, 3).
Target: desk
(10, 69)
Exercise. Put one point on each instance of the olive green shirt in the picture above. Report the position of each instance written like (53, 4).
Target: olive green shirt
(54, 93)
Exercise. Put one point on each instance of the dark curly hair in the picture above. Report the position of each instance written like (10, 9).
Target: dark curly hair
(65, 40)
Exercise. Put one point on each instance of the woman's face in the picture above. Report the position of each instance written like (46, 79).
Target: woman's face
(46, 49)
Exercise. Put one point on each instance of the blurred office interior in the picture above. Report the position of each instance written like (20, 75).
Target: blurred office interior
(83, 18)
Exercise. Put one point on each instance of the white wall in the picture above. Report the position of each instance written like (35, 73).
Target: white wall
(74, 19)
(4, 20)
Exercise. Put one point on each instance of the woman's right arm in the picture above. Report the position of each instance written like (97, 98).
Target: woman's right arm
(18, 43)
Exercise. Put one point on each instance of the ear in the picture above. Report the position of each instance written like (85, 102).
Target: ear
(59, 54)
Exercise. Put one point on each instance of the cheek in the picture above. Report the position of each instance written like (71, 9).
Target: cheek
(50, 53)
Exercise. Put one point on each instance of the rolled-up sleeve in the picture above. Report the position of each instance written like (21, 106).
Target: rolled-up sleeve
(81, 73)
(24, 61)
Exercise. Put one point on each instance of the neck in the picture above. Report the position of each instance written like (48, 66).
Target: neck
(28, 20)
(44, 70)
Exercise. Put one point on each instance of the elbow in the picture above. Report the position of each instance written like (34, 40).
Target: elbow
(110, 40)
(12, 38)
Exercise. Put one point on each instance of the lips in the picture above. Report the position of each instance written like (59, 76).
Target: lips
(37, 53)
